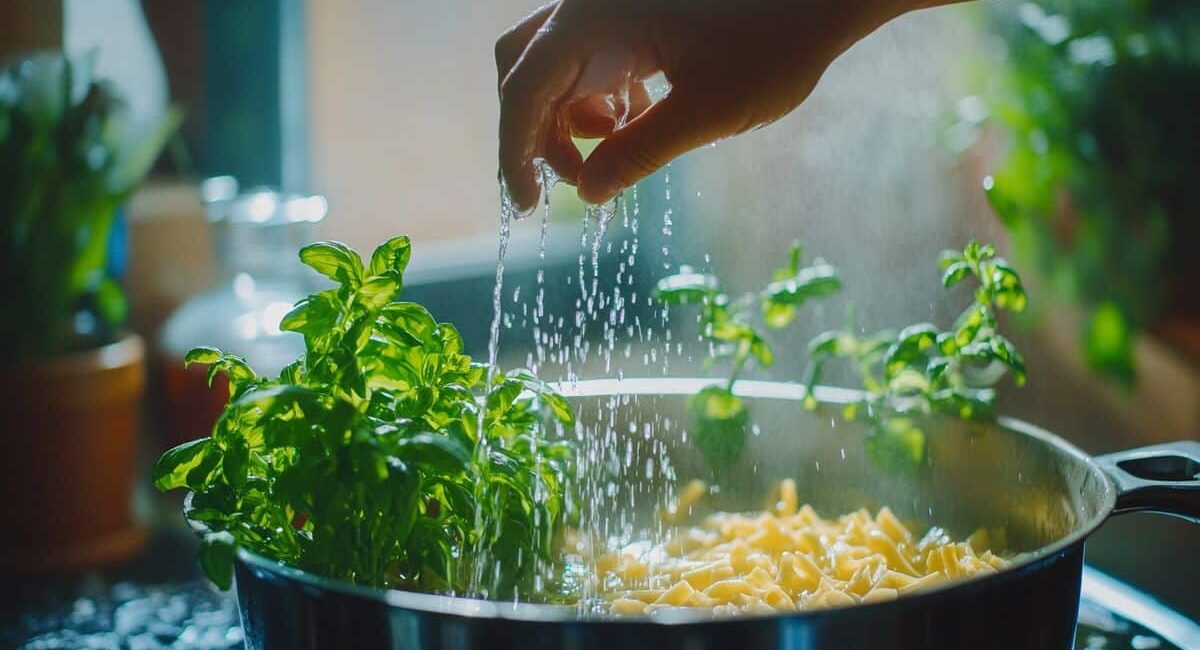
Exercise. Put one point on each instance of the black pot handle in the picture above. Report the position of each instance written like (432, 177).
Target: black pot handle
(1160, 478)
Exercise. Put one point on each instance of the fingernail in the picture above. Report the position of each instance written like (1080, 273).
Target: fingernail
(520, 212)
(511, 204)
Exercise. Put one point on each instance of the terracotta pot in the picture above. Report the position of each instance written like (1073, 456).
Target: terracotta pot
(68, 459)
(188, 406)
(1182, 333)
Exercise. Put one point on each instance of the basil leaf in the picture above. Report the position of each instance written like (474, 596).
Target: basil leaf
(686, 287)
(233, 366)
(203, 354)
(216, 558)
(452, 343)
(436, 451)
(955, 273)
(1003, 350)
(559, 407)
(200, 477)
(171, 469)
(1006, 288)
(276, 399)
(314, 315)
(391, 256)
(379, 291)
(412, 319)
(911, 346)
(830, 344)
(721, 425)
(335, 261)
(777, 315)
(813, 282)
(235, 463)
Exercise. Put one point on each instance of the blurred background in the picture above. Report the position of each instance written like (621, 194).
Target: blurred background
(248, 129)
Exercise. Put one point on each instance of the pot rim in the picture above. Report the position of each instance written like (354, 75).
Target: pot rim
(127, 350)
(90, 380)
(477, 608)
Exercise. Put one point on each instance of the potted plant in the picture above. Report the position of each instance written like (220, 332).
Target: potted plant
(1097, 100)
(71, 379)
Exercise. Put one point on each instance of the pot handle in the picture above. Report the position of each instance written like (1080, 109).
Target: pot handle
(1160, 478)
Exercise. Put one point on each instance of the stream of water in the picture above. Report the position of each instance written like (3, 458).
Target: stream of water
(616, 328)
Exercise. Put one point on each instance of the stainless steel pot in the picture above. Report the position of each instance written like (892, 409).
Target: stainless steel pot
(1046, 493)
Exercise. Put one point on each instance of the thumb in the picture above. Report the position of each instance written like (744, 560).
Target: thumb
(665, 130)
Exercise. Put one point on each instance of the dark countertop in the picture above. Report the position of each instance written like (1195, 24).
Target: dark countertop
(156, 600)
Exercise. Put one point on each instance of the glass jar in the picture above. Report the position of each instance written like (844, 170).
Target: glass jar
(256, 235)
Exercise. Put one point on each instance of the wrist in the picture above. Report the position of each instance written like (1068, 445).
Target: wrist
(873, 14)
(900, 7)
(884, 10)
(865, 16)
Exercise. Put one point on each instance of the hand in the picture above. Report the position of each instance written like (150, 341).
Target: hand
(578, 68)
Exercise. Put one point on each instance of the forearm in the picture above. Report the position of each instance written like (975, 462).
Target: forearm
(905, 6)
(865, 16)
(925, 4)
(884, 10)
(857, 18)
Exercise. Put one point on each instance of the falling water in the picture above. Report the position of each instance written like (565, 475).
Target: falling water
(622, 446)
(508, 211)
(622, 449)
(541, 338)
(667, 231)
(548, 181)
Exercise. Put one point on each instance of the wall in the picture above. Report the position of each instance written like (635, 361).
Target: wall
(404, 113)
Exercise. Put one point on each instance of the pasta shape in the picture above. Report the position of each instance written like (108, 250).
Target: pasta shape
(786, 559)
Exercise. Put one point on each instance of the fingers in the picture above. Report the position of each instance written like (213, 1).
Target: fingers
(530, 97)
(560, 152)
(598, 116)
(591, 117)
(513, 42)
(665, 130)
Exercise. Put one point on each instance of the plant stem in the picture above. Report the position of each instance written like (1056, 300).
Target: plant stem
(738, 364)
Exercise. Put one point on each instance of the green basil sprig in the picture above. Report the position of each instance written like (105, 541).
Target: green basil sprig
(363, 461)
(721, 417)
(923, 369)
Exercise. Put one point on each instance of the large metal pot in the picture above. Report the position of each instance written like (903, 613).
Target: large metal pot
(1048, 495)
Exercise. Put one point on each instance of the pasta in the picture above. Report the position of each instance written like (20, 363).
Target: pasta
(786, 558)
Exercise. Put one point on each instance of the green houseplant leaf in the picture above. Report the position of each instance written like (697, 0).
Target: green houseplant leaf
(70, 155)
